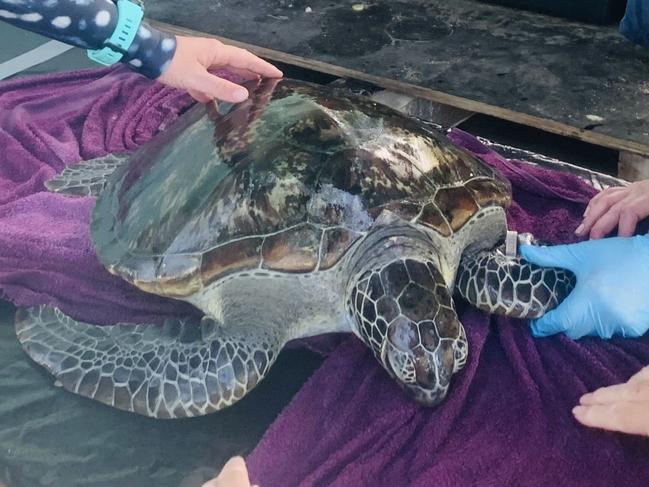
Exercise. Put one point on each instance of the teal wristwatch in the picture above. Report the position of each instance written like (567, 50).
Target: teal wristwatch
(129, 16)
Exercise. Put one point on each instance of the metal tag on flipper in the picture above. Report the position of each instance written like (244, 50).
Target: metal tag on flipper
(511, 244)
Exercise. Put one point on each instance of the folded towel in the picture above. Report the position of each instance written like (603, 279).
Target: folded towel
(46, 123)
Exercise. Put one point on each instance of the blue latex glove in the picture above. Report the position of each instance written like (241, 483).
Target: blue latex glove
(612, 292)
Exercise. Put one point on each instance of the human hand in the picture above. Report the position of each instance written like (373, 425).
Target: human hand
(622, 407)
(234, 474)
(611, 296)
(616, 207)
(195, 55)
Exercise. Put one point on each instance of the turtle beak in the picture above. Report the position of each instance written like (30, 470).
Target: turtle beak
(424, 375)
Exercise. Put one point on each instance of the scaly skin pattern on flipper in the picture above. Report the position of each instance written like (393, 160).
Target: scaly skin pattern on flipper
(177, 370)
(510, 286)
(86, 178)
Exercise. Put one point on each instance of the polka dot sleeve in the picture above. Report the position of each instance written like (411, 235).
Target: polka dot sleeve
(89, 24)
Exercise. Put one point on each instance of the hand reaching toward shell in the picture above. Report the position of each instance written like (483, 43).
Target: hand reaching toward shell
(234, 474)
(621, 407)
(193, 58)
(616, 207)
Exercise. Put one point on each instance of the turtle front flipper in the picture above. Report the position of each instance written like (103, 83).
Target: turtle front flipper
(496, 283)
(405, 314)
(176, 370)
(87, 178)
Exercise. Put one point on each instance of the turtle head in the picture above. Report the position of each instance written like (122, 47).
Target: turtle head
(422, 357)
(404, 312)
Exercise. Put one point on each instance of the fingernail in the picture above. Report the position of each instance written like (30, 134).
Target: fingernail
(240, 95)
(579, 229)
(236, 463)
(578, 410)
(585, 398)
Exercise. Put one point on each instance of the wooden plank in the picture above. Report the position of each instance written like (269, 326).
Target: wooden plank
(443, 115)
(633, 167)
(581, 81)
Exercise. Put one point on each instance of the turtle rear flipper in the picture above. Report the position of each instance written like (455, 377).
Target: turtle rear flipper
(179, 369)
(496, 283)
(87, 178)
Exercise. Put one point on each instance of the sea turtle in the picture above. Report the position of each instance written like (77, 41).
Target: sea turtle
(301, 211)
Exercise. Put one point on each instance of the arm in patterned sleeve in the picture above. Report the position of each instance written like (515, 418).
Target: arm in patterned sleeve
(88, 24)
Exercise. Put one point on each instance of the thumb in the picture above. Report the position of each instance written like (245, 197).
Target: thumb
(213, 86)
(234, 473)
(570, 317)
(563, 256)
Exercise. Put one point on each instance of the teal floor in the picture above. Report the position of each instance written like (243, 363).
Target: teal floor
(49, 437)
(16, 41)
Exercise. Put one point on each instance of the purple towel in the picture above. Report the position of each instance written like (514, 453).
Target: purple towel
(507, 419)
(46, 123)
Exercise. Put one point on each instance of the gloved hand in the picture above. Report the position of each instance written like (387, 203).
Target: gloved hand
(611, 296)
